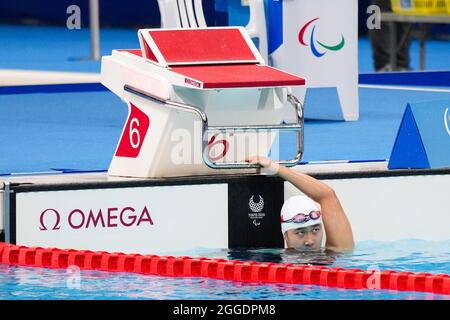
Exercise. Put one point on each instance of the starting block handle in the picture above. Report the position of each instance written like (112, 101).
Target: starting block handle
(297, 127)
(172, 104)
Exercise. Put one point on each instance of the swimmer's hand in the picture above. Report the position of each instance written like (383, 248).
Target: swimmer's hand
(268, 166)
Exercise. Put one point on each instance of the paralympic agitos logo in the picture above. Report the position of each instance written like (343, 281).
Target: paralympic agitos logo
(51, 219)
(314, 43)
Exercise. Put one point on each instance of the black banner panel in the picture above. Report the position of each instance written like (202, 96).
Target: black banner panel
(254, 207)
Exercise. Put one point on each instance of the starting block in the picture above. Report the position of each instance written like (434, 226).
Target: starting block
(199, 100)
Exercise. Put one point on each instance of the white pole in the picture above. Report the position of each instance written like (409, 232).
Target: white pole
(94, 24)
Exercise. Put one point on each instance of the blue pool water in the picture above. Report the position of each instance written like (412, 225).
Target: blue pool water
(405, 255)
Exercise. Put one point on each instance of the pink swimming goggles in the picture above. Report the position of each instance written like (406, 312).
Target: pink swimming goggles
(302, 218)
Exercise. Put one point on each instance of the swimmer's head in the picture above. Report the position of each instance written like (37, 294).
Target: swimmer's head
(301, 223)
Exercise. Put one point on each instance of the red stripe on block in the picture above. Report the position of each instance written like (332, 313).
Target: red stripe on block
(149, 53)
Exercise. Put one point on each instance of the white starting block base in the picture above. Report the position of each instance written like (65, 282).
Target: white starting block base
(173, 143)
(199, 100)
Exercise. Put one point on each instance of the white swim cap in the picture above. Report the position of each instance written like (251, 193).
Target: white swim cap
(296, 205)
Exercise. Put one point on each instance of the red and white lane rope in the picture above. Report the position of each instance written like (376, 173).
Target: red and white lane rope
(222, 269)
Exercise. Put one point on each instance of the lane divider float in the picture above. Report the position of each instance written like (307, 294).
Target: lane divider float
(221, 269)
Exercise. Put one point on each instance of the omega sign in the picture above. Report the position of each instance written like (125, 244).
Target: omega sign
(52, 219)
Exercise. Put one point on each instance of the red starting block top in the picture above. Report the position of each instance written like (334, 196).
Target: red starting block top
(238, 76)
(168, 47)
(232, 75)
(197, 46)
(211, 58)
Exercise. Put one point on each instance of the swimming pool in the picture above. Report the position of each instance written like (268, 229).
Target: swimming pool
(404, 255)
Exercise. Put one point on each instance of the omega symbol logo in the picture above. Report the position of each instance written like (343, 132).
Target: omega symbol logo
(56, 225)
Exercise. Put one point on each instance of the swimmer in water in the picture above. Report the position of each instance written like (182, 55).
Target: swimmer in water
(305, 219)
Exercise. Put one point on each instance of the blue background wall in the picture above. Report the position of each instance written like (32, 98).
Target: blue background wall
(137, 13)
(114, 13)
